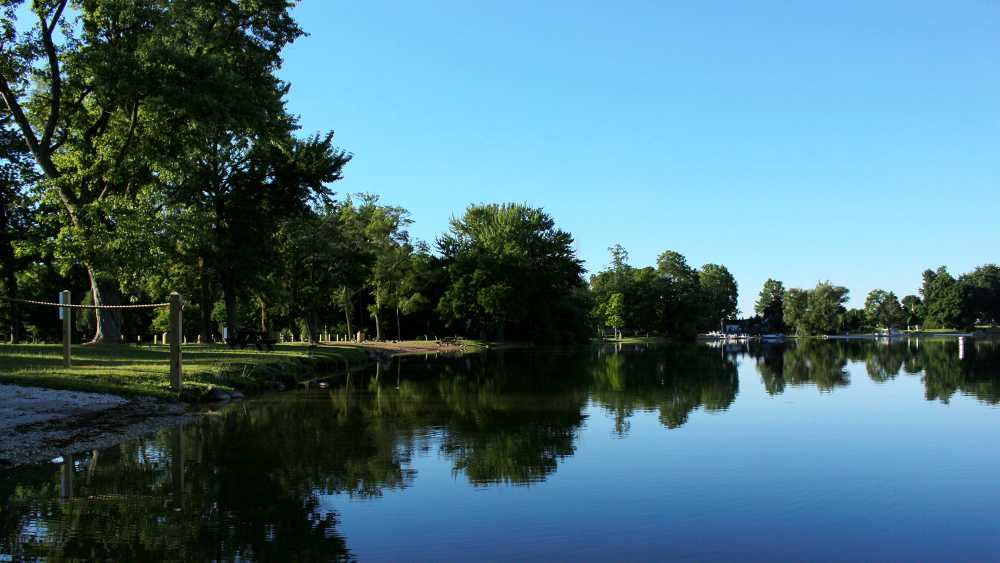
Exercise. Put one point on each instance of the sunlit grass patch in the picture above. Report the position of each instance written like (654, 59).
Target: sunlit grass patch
(144, 370)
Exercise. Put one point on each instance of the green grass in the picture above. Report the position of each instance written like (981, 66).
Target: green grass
(132, 370)
(633, 340)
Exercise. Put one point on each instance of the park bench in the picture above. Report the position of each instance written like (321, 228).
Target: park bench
(245, 337)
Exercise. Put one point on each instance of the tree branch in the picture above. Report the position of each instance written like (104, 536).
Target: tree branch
(41, 153)
(134, 118)
(55, 88)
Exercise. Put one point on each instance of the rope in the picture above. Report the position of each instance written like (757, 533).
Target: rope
(69, 306)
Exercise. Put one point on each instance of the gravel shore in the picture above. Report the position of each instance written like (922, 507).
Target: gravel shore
(39, 424)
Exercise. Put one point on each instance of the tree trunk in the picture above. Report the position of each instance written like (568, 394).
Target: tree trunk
(8, 261)
(206, 305)
(312, 325)
(347, 312)
(232, 317)
(399, 330)
(378, 322)
(109, 321)
(263, 316)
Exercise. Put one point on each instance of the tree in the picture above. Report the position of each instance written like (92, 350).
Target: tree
(389, 242)
(882, 308)
(770, 305)
(855, 320)
(795, 303)
(947, 303)
(509, 269)
(984, 285)
(613, 310)
(825, 306)
(102, 102)
(682, 295)
(719, 295)
(816, 311)
(913, 310)
(619, 272)
(317, 258)
(644, 301)
(16, 177)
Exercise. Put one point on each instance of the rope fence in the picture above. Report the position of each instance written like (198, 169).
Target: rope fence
(176, 332)
(81, 306)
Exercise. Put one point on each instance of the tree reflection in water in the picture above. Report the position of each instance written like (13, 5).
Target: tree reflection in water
(943, 369)
(671, 379)
(261, 480)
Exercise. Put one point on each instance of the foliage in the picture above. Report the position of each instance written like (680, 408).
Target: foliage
(511, 271)
(770, 305)
(816, 311)
(984, 293)
(882, 309)
(613, 310)
(947, 302)
(718, 295)
(913, 310)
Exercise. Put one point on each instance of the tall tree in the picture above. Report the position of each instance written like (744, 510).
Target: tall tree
(770, 305)
(913, 310)
(719, 294)
(16, 177)
(101, 99)
(882, 308)
(984, 287)
(682, 295)
(613, 311)
(825, 307)
(795, 305)
(946, 301)
(511, 270)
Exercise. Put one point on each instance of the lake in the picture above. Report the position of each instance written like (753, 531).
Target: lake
(819, 450)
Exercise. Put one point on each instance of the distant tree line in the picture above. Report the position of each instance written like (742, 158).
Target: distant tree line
(945, 302)
(672, 298)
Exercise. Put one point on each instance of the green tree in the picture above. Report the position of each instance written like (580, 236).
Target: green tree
(510, 269)
(683, 308)
(882, 308)
(613, 311)
(947, 303)
(719, 294)
(770, 305)
(984, 284)
(913, 310)
(855, 320)
(102, 99)
(825, 307)
(17, 178)
(794, 306)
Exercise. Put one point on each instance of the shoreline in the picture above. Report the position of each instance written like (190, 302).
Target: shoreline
(44, 416)
(38, 424)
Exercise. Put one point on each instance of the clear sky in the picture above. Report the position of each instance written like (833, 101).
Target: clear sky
(852, 141)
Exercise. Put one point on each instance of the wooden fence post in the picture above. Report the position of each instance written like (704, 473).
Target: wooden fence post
(176, 334)
(67, 318)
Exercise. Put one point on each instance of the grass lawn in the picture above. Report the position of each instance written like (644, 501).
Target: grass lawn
(632, 340)
(133, 370)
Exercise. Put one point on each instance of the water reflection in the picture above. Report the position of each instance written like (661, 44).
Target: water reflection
(671, 379)
(263, 480)
(945, 365)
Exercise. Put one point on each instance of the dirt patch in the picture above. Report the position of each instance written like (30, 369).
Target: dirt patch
(41, 424)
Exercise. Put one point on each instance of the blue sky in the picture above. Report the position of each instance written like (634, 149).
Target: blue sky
(803, 141)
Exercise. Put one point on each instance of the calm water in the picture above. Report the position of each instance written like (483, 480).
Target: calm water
(821, 451)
